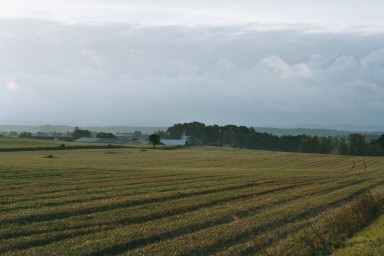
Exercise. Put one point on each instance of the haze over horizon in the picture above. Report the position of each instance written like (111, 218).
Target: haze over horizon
(142, 63)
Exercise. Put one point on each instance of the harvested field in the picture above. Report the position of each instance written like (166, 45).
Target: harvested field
(191, 201)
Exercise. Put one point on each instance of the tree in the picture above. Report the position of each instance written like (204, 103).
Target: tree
(42, 134)
(154, 139)
(376, 146)
(357, 145)
(192, 140)
(25, 135)
(342, 148)
(311, 144)
(380, 141)
(78, 133)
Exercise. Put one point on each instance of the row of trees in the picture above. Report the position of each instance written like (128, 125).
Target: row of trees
(79, 133)
(354, 144)
(244, 137)
(75, 134)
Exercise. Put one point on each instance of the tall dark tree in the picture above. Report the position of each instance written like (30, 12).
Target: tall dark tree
(25, 135)
(154, 139)
(376, 146)
(380, 141)
(211, 134)
(357, 145)
(342, 147)
(79, 133)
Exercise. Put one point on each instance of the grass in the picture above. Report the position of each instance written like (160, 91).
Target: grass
(368, 242)
(9, 144)
(191, 201)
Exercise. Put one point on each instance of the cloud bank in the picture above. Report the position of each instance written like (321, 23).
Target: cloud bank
(121, 73)
(344, 12)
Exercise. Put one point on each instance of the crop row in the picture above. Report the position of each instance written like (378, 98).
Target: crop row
(215, 238)
(234, 209)
(99, 193)
(156, 210)
(230, 202)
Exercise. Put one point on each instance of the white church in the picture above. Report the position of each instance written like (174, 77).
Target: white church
(181, 142)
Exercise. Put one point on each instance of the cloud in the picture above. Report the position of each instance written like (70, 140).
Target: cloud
(12, 86)
(340, 14)
(277, 67)
(149, 75)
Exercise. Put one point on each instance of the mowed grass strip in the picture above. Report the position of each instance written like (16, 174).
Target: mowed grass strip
(172, 207)
(257, 244)
(102, 193)
(176, 206)
(317, 235)
(219, 214)
(235, 213)
(368, 242)
(213, 239)
(120, 199)
(148, 212)
(113, 219)
(46, 213)
(61, 187)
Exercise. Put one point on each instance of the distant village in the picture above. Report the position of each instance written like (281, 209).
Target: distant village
(134, 138)
(329, 142)
(86, 136)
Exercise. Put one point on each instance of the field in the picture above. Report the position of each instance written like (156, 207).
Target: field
(369, 242)
(10, 142)
(191, 201)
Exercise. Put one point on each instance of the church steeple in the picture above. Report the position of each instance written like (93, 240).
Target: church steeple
(184, 135)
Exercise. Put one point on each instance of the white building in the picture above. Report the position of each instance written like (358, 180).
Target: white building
(181, 142)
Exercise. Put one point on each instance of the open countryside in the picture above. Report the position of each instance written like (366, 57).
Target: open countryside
(195, 200)
(185, 128)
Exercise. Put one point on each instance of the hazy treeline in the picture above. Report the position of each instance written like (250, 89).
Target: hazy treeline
(248, 137)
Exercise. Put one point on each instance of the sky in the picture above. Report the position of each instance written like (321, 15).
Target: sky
(156, 63)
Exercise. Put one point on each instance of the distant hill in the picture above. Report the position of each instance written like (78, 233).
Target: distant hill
(36, 128)
(372, 131)
(66, 128)
(115, 129)
(348, 128)
(301, 131)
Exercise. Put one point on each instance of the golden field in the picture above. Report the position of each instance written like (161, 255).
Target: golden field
(189, 201)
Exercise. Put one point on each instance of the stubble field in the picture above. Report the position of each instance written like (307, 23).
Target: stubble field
(192, 201)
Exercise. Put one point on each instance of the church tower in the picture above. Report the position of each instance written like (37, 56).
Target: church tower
(184, 135)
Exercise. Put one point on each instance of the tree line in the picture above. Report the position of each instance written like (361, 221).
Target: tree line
(248, 137)
(75, 134)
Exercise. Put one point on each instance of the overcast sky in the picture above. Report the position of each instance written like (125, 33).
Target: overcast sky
(156, 63)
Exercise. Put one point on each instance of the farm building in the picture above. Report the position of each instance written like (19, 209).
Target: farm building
(180, 142)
